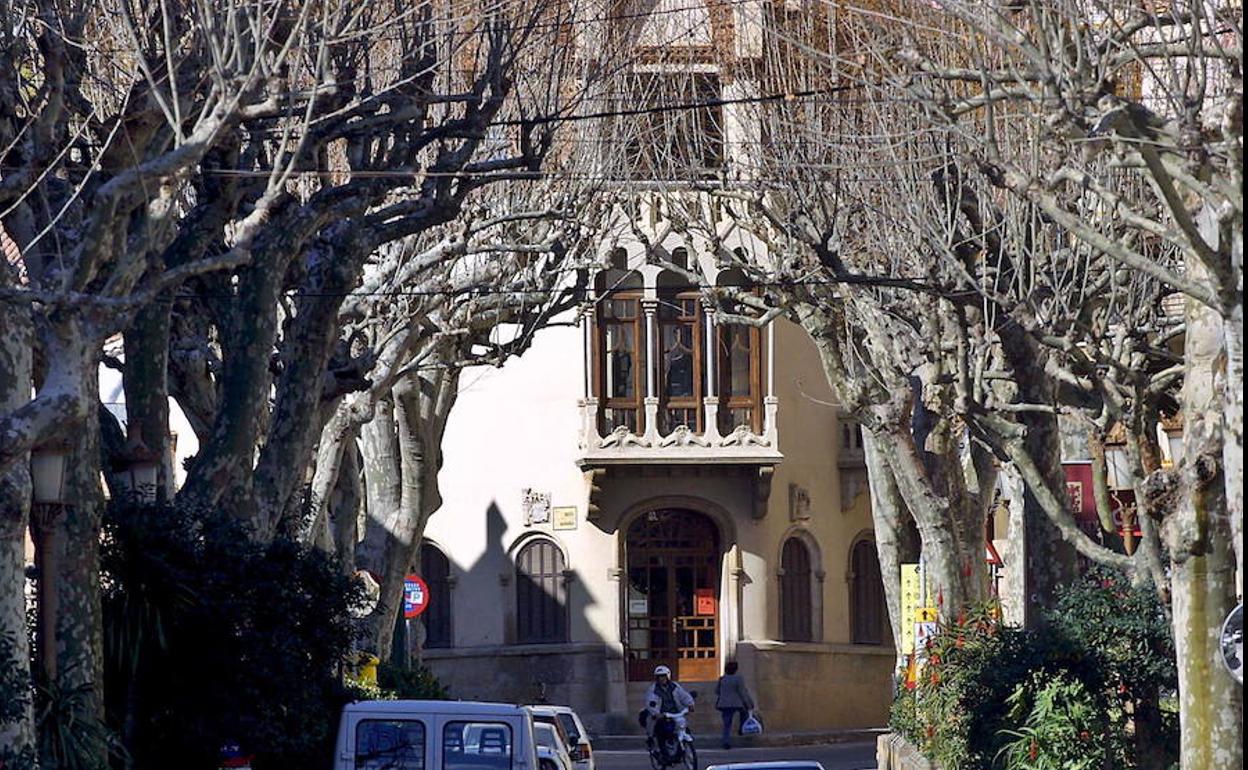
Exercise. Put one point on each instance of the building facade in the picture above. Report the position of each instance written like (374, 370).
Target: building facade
(649, 487)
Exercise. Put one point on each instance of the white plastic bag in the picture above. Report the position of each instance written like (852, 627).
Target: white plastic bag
(751, 725)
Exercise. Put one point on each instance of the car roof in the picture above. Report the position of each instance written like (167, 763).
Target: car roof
(546, 708)
(795, 764)
(451, 707)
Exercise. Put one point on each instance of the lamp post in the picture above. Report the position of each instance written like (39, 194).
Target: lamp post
(137, 472)
(47, 475)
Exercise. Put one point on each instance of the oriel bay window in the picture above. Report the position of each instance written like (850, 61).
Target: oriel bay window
(680, 362)
(660, 348)
(621, 363)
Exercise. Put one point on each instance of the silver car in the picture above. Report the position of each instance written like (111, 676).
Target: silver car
(552, 753)
(579, 747)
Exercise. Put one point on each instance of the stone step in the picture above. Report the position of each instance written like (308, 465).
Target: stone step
(636, 742)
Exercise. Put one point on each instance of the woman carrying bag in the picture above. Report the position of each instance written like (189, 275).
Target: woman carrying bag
(732, 698)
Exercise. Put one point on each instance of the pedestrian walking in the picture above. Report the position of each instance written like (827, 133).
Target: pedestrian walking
(732, 698)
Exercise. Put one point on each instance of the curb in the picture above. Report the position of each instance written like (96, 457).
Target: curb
(766, 740)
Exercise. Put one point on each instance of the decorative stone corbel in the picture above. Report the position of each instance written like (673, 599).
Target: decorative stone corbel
(593, 479)
(682, 436)
(762, 490)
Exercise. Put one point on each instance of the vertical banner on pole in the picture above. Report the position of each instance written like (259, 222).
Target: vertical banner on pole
(911, 593)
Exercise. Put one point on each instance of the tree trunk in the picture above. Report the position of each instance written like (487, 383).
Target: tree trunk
(383, 524)
(146, 383)
(17, 726)
(896, 539)
(421, 407)
(1050, 560)
(1203, 562)
(307, 345)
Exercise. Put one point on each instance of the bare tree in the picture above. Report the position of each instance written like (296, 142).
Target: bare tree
(211, 178)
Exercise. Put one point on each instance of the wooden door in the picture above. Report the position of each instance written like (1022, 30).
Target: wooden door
(671, 601)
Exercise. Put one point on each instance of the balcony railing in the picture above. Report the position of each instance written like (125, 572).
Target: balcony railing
(682, 445)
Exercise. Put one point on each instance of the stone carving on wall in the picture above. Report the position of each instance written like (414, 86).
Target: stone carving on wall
(682, 436)
(742, 436)
(799, 503)
(622, 437)
(536, 506)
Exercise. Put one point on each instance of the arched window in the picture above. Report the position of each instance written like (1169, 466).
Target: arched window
(796, 578)
(867, 607)
(435, 568)
(541, 602)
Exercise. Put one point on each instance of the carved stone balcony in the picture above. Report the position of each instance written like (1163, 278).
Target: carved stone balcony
(682, 446)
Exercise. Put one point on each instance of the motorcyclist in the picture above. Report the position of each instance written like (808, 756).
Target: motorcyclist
(665, 696)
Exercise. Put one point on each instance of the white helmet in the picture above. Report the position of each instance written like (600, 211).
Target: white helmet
(662, 671)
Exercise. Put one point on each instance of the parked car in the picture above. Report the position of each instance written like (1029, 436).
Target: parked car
(579, 746)
(791, 764)
(425, 734)
(552, 750)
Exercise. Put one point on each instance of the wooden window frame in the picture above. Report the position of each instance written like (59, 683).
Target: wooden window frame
(697, 322)
(638, 324)
(723, 375)
(797, 594)
(440, 604)
(527, 630)
(858, 632)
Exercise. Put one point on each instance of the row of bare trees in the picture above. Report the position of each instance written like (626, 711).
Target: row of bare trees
(303, 219)
(1003, 225)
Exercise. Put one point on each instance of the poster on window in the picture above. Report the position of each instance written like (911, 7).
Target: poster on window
(704, 601)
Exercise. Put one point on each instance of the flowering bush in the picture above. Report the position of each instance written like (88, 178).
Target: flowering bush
(1083, 693)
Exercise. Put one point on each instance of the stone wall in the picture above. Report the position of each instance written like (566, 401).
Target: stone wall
(894, 753)
(586, 676)
(805, 687)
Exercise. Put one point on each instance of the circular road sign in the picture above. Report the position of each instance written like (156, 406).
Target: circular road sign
(415, 596)
(1233, 643)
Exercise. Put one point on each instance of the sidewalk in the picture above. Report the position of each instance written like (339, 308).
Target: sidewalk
(766, 740)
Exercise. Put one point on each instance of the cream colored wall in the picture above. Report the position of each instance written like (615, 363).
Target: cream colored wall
(515, 428)
(809, 438)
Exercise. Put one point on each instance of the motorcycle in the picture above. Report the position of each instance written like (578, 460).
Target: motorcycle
(672, 743)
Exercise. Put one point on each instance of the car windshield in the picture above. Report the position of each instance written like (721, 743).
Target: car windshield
(546, 735)
(569, 727)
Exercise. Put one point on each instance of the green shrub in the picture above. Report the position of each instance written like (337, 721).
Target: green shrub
(211, 637)
(992, 695)
(1064, 726)
(416, 683)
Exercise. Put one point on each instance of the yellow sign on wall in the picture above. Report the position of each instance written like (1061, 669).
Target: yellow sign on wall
(564, 517)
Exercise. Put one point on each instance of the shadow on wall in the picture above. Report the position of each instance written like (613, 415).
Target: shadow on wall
(525, 603)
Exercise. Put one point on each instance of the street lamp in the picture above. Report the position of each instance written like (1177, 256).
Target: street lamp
(138, 469)
(47, 473)
(47, 481)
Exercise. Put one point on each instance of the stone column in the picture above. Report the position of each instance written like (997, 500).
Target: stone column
(771, 402)
(651, 358)
(710, 402)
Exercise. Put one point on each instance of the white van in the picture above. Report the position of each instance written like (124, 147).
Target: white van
(435, 735)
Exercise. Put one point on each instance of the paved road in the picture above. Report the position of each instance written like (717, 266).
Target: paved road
(837, 756)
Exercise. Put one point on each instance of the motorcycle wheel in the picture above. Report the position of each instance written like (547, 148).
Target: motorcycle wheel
(690, 759)
(656, 761)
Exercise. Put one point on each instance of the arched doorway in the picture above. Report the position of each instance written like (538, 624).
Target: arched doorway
(671, 601)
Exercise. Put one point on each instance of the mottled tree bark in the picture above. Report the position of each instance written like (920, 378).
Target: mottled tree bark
(1050, 560)
(146, 383)
(18, 734)
(1200, 539)
(896, 539)
(402, 457)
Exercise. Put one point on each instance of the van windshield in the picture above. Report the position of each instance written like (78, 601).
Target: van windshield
(390, 744)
